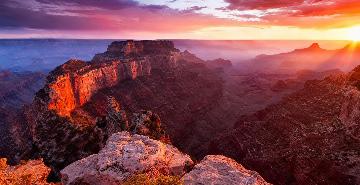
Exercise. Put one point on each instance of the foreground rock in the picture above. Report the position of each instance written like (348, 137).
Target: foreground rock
(125, 156)
(217, 169)
(30, 172)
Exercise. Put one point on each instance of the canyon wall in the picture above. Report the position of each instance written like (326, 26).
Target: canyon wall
(310, 137)
(68, 117)
(72, 84)
(75, 87)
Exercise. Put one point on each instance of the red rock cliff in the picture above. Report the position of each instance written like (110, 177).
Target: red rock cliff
(72, 84)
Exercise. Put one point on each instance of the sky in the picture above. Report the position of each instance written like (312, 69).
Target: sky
(182, 19)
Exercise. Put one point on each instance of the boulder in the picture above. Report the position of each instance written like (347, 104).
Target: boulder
(124, 156)
(220, 170)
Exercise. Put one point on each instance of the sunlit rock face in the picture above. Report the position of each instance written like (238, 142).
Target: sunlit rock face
(218, 169)
(72, 84)
(29, 172)
(78, 81)
(126, 155)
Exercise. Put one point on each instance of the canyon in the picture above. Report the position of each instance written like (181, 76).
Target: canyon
(288, 127)
(67, 119)
(16, 92)
(310, 137)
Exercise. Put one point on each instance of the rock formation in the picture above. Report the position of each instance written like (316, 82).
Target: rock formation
(73, 84)
(217, 169)
(70, 117)
(30, 172)
(310, 137)
(116, 119)
(149, 124)
(124, 156)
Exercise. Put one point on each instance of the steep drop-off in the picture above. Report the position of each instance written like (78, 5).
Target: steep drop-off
(16, 90)
(311, 137)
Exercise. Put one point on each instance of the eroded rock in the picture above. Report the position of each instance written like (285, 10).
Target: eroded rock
(126, 155)
(220, 170)
(31, 172)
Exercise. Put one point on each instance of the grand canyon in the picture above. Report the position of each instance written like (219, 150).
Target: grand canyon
(225, 92)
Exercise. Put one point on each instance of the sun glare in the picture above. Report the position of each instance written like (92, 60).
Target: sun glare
(354, 33)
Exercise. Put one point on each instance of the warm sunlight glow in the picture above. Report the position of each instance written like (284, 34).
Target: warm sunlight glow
(354, 33)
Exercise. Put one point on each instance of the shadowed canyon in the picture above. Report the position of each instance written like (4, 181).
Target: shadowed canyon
(146, 109)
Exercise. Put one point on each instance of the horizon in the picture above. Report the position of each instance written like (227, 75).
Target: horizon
(181, 19)
(124, 39)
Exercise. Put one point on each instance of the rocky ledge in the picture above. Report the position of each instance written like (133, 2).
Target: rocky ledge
(217, 169)
(126, 156)
(30, 172)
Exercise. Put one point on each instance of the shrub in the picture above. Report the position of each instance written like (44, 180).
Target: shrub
(144, 179)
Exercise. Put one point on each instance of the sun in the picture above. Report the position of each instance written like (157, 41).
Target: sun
(353, 33)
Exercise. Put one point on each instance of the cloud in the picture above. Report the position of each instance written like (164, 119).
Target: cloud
(108, 4)
(261, 4)
(174, 16)
(112, 15)
(302, 13)
(14, 15)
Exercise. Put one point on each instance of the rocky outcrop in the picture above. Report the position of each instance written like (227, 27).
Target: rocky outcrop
(73, 84)
(60, 143)
(126, 155)
(116, 118)
(149, 124)
(217, 169)
(130, 48)
(70, 117)
(30, 172)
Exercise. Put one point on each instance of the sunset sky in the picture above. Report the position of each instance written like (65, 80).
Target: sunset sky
(182, 19)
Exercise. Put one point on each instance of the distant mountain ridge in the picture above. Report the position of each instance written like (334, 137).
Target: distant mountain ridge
(310, 58)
